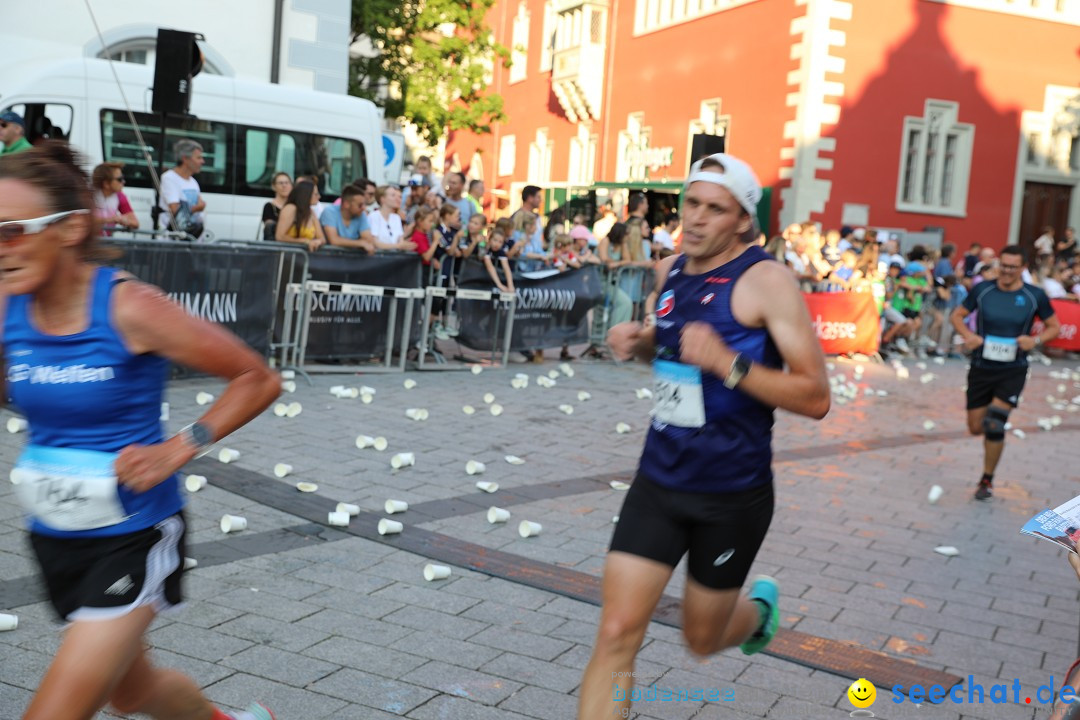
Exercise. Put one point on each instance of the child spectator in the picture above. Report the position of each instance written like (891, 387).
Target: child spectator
(421, 237)
(472, 237)
(495, 260)
(563, 254)
(528, 246)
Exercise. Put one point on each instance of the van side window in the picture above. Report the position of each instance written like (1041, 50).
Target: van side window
(119, 143)
(45, 121)
(336, 162)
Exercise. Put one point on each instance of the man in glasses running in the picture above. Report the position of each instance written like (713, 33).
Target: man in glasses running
(1005, 313)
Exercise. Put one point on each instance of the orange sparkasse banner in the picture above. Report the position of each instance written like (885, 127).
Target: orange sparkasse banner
(1068, 313)
(845, 322)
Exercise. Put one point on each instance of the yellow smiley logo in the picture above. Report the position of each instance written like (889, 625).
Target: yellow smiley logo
(862, 693)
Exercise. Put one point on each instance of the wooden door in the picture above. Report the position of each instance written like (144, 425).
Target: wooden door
(1044, 204)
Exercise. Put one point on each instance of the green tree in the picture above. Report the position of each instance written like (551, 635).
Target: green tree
(430, 64)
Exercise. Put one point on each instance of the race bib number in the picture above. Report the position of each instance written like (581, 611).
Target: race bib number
(678, 395)
(68, 489)
(1000, 349)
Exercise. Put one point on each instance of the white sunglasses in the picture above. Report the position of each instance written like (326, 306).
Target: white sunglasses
(14, 230)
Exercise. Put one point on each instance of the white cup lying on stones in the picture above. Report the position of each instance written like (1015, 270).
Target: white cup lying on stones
(233, 523)
(395, 506)
(436, 572)
(497, 515)
(527, 528)
(390, 527)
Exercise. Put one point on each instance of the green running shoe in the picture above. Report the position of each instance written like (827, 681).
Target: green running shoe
(765, 591)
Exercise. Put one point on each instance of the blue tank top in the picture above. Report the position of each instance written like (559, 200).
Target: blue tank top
(732, 450)
(87, 392)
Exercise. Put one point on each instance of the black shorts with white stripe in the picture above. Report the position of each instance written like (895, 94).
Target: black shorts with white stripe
(107, 577)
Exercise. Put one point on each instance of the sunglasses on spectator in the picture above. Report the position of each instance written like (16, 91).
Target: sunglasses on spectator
(15, 230)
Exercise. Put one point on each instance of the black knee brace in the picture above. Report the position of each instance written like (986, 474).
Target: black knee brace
(994, 423)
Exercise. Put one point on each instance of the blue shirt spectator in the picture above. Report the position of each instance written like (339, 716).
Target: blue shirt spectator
(331, 216)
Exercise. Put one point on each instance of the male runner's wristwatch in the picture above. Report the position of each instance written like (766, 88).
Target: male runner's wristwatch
(739, 367)
(197, 435)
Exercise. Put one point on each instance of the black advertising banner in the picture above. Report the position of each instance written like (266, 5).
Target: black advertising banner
(550, 311)
(230, 286)
(355, 326)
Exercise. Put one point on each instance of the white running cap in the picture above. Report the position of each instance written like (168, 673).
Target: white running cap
(735, 175)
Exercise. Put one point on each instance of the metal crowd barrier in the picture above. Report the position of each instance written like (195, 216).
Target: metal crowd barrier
(632, 283)
(150, 234)
(507, 302)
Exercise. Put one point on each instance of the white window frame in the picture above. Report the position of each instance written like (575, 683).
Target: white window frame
(507, 154)
(547, 41)
(519, 53)
(540, 152)
(924, 166)
(583, 148)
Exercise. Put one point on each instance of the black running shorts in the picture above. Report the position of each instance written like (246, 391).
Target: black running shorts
(722, 532)
(107, 577)
(985, 384)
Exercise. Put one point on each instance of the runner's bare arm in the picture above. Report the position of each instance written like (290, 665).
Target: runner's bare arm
(770, 298)
(1051, 329)
(148, 322)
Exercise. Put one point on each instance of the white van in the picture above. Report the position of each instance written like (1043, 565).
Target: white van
(248, 132)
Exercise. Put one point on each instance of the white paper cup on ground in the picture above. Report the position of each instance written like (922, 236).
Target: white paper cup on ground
(367, 390)
(8, 622)
(380, 444)
(935, 494)
(281, 409)
(566, 370)
(190, 563)
(338, 518)
(288, 386)
(307, 487)
(349, 393)
(486, 486)
(395, 506)
(622, 428)
(528, 528)
(282, 469)
(402, 460)
(497, 515)
(344, 507)
(643, 393)
(288, 374)
(568, 409)
(468, 409)
(553, 374)
(414, 414)
(409, 384)
(514, 460)
(293, 410)
(17, 425)
(619, 485)
(390, 527)
(436, 572)
(929, 425)
(228, 455)
(475, 467)
(496, 409)
(336, 390)
(582, 396)
(194, 483)
(489, 398)
(365, 441)
(233, 523)
(947, 550)
(204, 398)
(366, 398)
(477, 369)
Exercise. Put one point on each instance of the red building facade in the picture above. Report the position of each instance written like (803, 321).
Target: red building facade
(962, 115)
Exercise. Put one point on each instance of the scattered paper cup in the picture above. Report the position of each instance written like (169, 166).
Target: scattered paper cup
(516, 384)
(1055, 420)
(619, 485)
(288, 386)
(414, 414)
(338, 518)
(486, 486)
(367, 390)
(622, 428)
(902, 373)
(614, 519)
(288, 374)
(281, 409)
(497, 515)
(643, 393)
(233, 523)
(920, 365)
(17, 425)
(947, 551)
(424, 415)
(553, 374)
(336, 390)
(568, 409)
(307, 487)
(352, 510)
(364, 441)
(475, 467)
(582, 396)
(882, 393)
(496, 409)
(204, 398)
(1019, 433)
(409, 384)
(928, 425)
(195, 483)
(282, 469)
(566, 370)
(294, 409)
(402, 460)
(927, 378)
(380, 444)
(468, 409)
(366, 398)
(477, 369)
(514, 460)
(228, 455)
(390, 527)
(190, 563)
(527, 528)
(8, 622)
(935, 494)
(489, 398)
(395, 506)
(436, 572)
(349, 393)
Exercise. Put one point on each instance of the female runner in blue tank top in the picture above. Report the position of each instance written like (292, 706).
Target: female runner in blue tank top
(87, 350)
(727, 320)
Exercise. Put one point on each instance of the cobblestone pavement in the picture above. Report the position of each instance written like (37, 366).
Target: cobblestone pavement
(320, 623)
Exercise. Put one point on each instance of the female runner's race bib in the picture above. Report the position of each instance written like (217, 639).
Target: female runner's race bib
(679, 399)
(1000, 349)
(68, 489)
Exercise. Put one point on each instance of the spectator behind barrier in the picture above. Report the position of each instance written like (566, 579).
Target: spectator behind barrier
(319, 205)
(455, 195)
(584, 252)
(614, 254)
(180, 192)
(476, 196)
(473, 237)
(297, 222)
(495, 259)
(385, 223)
(421, 237)
(282, 186)
(346, 225)
(563, 257)
(110, 203)
(528, 246)
(665, 235)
